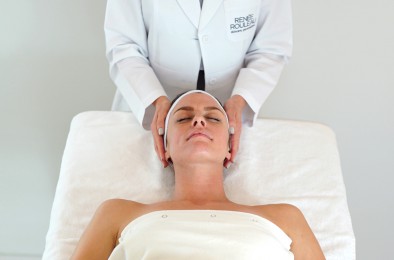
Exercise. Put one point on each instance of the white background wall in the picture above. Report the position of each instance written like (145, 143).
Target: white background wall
(52, 66)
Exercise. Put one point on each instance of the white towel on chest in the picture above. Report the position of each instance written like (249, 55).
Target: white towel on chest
(202, 234)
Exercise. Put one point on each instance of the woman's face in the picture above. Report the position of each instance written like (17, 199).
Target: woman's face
(197, 131)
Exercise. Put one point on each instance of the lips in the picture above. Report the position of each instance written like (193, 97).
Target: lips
(198, 134)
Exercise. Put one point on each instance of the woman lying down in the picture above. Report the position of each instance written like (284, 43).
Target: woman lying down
(200, 222)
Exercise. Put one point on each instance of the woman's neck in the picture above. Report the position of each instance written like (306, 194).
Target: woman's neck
(199, 183)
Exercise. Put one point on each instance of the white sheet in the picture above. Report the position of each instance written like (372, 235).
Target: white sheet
(108, 155)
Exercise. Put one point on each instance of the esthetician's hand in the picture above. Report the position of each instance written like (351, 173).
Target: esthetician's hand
(162, 105)
(233, 108)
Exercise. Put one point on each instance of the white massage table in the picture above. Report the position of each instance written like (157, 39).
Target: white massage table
(108, 155)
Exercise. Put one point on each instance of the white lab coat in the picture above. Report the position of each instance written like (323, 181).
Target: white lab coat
(155, 48)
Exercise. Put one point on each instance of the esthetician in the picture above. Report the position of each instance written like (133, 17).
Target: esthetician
(233, 49)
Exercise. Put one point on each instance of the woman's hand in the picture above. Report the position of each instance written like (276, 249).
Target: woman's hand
(233, 108)
(162, 105)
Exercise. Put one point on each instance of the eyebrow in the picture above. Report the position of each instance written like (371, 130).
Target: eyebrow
(188, 108)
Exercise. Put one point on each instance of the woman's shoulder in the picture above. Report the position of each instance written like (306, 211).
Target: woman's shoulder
(115, 208)
(277, 210)
(292, 221)
(119, 212)
(286, 216)
(119, 204)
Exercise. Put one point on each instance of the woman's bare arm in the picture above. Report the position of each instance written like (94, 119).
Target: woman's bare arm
(100, 236)
(291, 220)
(305, 245)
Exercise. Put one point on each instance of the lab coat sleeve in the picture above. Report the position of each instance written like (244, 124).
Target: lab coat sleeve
(127, 53)
(266, 56)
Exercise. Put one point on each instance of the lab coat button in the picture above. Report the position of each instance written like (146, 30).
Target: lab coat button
(205, 39)
(212, 82)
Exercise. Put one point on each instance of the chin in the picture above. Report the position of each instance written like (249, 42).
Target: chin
(204, 155)
(200, 150)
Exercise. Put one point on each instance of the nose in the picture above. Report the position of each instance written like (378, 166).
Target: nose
(199, 121)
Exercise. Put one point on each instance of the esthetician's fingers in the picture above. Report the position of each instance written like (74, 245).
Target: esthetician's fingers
(233, 108)
(235, 122)
(162, 105)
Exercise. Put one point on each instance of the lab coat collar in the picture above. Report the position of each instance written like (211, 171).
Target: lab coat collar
(199, 18)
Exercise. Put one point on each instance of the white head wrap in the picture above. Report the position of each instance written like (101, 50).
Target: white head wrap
(177, 101)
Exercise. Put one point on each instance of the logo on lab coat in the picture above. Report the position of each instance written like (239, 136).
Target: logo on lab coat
(242, 23)
(241, 19)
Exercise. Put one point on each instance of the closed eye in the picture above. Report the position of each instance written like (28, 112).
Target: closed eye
(214, 119)
(183, 119)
